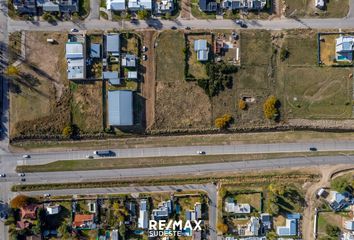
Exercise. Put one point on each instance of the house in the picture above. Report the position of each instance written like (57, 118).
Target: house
(190, 215)
(143, 215)
(266, 220)
(112, 77)
(163, 211)
(344, 48)
(164, 6)
(290, 228)
(320, 4)
(336, 200)
(25, 6)
(201, 47)
(198, 210)
(136, 5)
(232, 207)
(114, 235)
(53, 209)
(75, 58)
(349, 225)
(120, 108)
(132, 74)
(29, 212)
(129, 60)
(208, 5)
(115, 5)
(253, 227)
(249, 5)
(95, 50)
(84, 221)
(347, 236)
(62, 6)
(113, 44)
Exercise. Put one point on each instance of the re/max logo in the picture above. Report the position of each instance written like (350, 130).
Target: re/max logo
(174, 225)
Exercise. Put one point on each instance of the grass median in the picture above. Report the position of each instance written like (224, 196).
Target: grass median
(124, 163)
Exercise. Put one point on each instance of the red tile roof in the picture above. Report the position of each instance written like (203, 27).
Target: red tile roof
(29, 212)
(81, 219)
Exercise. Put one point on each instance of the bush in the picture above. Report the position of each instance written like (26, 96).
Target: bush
(332, 231)
(21, 201)
(284, 54)
(270, 108)
(11, 71)
(242, 104)
(341, 184)
(143, 14)
(223, 122)
(222, 227)
(70, 131)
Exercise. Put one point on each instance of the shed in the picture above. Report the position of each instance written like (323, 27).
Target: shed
(132, 75)
(120, 108)
(112, 77)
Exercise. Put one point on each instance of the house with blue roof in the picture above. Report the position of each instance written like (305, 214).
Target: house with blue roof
(202, 49)
(95, 50)
(116, 5)
(337, 201)
(113, 44)
(208, 5)
(120, 108)
(112, 77)
(290, 228)
(345, 48)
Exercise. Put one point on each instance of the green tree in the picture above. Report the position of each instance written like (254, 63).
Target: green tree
(63, 231)
(143, 14)
(341, 184)
(271, 235)
(332, 231)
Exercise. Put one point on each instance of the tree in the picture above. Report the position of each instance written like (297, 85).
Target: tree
(122, 230)
(223, 122)
(332, 231)
(341, 184)
(68, 131)
(21, 201)
(242, 104)
(270, 108)
(222, 227)
(63, 231)
(284, 54)
(278, 189)
(143, 14)
(271, 235)
(48, 17)
(11, 71)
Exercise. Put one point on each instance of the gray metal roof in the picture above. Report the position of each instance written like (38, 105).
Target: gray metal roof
(95, 50)
(112, 43)
(120, 108)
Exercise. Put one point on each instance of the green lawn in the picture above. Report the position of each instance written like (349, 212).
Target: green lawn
(256, 48)
(253, 199)
(170, 58)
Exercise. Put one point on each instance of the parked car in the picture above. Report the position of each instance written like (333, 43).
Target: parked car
(3, 175)
(144, 48)
(144, 57)
(201, 152)
(23, 179)
(21, 174)
(74, 30)
(173, 27)
(26, 156)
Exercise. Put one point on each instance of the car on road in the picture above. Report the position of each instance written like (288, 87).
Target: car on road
(89, 157)
(144, 57)
(26, 156)
(104, 153)
(21, 174)
(46, 195)
(241, 23)
(74, 30)
(188, 28)
(3, 175)
(313, 149)
(201, 152)
(179, 190)
(173, 27)
(134, 21)
(23, 179)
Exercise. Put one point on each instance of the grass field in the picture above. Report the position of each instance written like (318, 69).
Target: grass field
(306, 8)
(253, 199)
(39, 96)
(318, 92)
(196, 68)
(328, 51)
(256, 48)
(122, 163)
(302, 46)
(170, 59)
(86, 106)
(329, 218)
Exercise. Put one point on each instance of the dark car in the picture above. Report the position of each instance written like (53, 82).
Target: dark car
(313, 149)
(179, 190)
(188, 28)
(173, 27)
(23, 179)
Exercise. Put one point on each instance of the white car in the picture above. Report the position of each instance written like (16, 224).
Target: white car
(144, 49)
(74, 30)
(3, 175)
(26, 156)
(200, 152)
(46, 195)
(21, 174)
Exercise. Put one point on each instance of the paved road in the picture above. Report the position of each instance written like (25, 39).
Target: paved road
(198, 169)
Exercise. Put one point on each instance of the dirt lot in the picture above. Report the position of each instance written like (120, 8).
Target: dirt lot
(181, 105)
(39, 96)
(328, 52)
(86, 106)
(170, 60)
(306, 8)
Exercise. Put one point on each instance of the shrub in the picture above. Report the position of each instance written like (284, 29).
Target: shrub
(341, 184)
(143, 14)
(270, 108)
(242, 104)
(11, 71)
(223, 122)
(21, 201)
(284, 54)
(332, 231)
(222, 227)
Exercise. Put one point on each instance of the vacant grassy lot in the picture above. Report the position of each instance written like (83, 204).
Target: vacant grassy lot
(181, 104)
(302, 46)
(170, 57)
(256, 48)
(329, 218)
(39, 96)
(86, 106)
(306, 8)
(253, 199)
(318, 92)
(328, 51)
(130, 43)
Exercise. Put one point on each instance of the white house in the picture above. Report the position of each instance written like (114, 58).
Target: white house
(320, 4)
(349, 225)
(115, 5)
(136, 5)
(201, 47)
(143, 220)
(53, 209)
(232, 207)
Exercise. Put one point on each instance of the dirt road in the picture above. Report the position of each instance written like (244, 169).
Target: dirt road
(148, 84)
